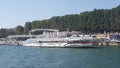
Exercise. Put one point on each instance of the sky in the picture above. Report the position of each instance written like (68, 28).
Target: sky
(17, 12)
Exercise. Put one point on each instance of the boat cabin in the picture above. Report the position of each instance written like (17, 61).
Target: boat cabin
(42, 31)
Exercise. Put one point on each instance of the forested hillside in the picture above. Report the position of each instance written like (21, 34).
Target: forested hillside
(96, 21)
(99, 20)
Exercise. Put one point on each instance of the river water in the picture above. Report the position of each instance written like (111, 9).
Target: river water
(36, 57)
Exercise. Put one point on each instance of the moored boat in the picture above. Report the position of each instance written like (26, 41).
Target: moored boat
(54, 38)
(61, 42)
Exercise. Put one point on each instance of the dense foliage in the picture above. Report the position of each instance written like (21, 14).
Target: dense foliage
(6, 32)
(96, 21)
(27, 27)
(99, 20)
(19, 29)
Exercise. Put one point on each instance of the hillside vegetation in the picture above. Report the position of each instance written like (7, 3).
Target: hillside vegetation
(96, 21)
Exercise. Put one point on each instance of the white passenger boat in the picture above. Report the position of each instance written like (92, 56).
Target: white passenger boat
(61, 42)
(54, 38)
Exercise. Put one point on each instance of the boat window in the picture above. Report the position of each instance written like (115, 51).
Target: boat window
(36, 32)
(40, 41)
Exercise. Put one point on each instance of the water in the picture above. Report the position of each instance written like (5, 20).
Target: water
(35, 57)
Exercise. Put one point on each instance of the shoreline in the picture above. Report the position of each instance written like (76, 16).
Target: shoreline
(101, 40)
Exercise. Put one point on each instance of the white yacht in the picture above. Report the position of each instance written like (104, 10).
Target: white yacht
(53, 38)
(75, 41)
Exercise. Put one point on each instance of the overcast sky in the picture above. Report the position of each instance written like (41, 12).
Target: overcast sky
(17, 12)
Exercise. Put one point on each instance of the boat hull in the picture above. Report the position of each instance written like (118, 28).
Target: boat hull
(61, 45)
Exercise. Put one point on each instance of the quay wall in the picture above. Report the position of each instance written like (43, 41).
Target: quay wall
(102, 38)
(108, 44)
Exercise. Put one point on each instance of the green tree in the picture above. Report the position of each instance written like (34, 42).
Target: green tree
(3, 33)
(96, 21)
(27, 27)
(19, 29)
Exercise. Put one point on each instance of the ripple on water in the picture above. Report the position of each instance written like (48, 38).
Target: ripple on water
(35, 57)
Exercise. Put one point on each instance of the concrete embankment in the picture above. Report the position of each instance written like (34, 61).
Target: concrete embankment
(109, 44)
(102, 39)
(10, 43)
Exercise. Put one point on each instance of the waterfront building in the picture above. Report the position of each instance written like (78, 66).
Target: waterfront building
(115, 38)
